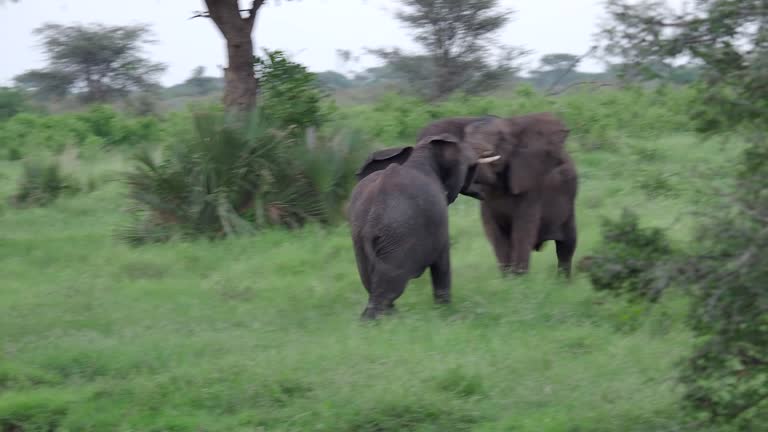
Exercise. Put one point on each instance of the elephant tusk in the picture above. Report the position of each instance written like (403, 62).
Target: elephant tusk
(488, 159)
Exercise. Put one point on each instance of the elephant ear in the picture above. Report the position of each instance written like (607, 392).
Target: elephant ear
(381, 159)
(455, 171)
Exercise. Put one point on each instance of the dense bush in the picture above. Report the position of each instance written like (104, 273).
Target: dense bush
(725, 275)
(596, 117)
(727, 376)
(224, 180)
(630, 258)
(289, 94)
(12, 102)
(41, 183)
(97, 127)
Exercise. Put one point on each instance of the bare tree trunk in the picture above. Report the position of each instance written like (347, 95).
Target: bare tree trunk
(240, 82)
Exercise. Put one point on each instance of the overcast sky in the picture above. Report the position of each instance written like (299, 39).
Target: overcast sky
(309, 30)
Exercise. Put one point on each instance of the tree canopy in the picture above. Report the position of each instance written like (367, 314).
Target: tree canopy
(726, 39)
(98, 62)
(458, 37)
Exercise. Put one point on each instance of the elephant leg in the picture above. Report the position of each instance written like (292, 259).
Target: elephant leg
(498, 235)
(363, 266)
(385, 289)
(566, 247)
(441, 278)
(525, 230)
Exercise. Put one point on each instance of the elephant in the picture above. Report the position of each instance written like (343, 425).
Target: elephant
(398, 216)
(527, 197)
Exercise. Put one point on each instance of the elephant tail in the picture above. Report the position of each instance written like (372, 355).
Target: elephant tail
(371, 245)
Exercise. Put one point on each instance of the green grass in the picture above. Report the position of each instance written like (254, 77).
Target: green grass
(262, 333)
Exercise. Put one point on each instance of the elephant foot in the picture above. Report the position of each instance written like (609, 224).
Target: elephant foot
(369, 314)
(390, 310)
(509, 271)
(372, 312)
(442, 298)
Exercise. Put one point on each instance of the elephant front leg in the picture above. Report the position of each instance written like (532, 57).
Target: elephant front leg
(525, 229)
(441, 278)
(566, 248)
(498, 235)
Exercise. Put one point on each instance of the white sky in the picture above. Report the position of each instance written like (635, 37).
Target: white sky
(309, 30)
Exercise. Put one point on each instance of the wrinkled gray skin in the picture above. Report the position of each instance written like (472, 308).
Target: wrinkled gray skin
(398, 215)
(528, 195)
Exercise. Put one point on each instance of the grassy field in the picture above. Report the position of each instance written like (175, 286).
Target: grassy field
(262, 333)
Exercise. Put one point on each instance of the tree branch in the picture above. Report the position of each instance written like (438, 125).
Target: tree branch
(206, 14)
(251, 18)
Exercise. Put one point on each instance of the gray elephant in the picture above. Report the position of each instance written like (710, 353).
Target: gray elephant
(528, 195)
(398, 215)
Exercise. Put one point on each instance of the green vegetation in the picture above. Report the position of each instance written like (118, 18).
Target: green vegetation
(107, 61)
(260, 332)
(263, 330)
(220, 180)
(41, 183)
(98, 128)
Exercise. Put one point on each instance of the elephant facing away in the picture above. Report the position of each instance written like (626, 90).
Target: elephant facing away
(398, 216)
(527, 195)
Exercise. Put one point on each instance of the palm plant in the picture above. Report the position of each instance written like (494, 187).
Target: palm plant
(226, 180)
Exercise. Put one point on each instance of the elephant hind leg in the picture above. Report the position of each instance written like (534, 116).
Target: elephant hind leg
(384, 290)
(363, 265)
(566, 247)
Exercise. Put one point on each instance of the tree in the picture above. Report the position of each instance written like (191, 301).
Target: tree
(241, 85)
(559, 62)
(726, 39)
(725, 377)
(458, 37)
(45, 85)
(101, 62)
(553, 68)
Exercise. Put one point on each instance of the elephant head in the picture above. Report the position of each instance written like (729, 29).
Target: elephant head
(452, 160)
(529, 146)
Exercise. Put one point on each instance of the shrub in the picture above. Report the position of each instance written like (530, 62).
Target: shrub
(12, 102)
(115, 129)
(14, 154)
(41, 183)
(630, 258)
(100, 126)
(726, 378)
(289, 93)
(230, 180)
(598, 118)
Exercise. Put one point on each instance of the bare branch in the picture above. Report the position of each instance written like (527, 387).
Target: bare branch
(251, 18)
(206, 14)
